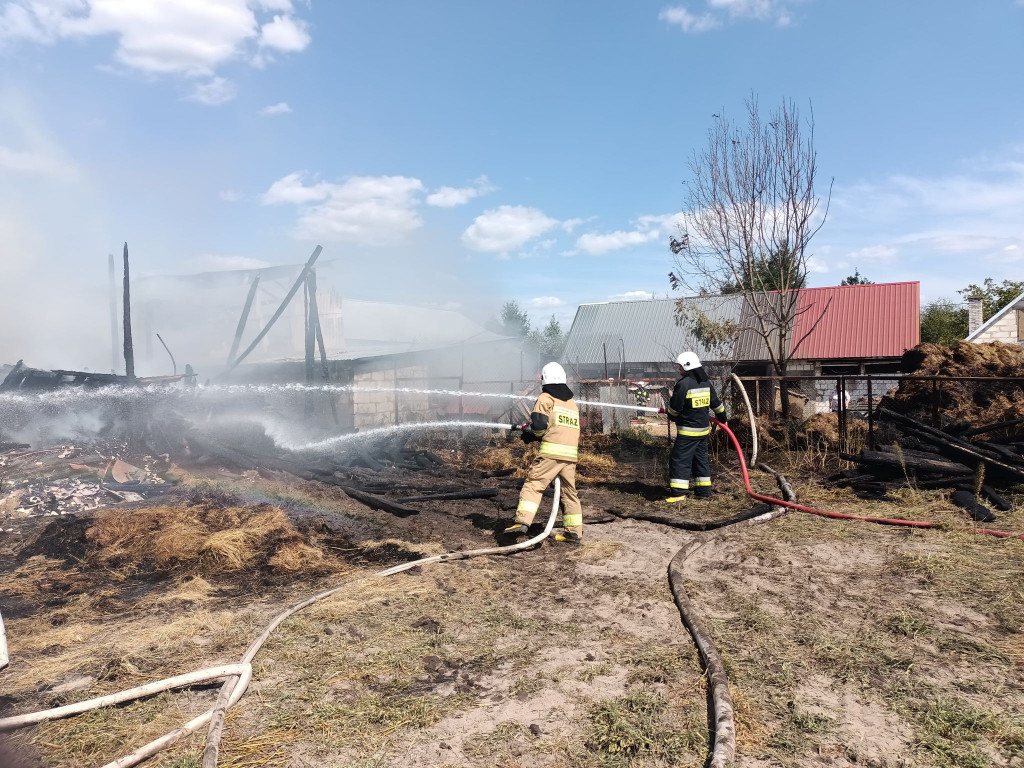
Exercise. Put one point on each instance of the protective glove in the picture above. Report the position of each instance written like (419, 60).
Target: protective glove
(527, 435)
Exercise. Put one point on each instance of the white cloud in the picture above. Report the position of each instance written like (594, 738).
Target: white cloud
(285, 33)
(647, 229)
(632, 296)
(544, 302)
(872, 253)
(372, 210)
(596, 244)
(215, 91)
(290, 190)
(960, 221)
(190, 38)
(35, 163)
(748, 9)
(816, 265)
(569, 225)
(450, 197)
(689, 22)
(506, 228)
(281, 108)
(773, 11)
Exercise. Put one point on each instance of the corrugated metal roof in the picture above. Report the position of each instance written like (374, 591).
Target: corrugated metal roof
(750, 346)
(843, 322)
(857, 321)
(647, 330)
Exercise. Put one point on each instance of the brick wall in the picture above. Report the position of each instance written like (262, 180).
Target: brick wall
(377, 409)
(1005, 330)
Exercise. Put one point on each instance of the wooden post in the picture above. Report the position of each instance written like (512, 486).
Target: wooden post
(396, 392)
(243, 319)
(280, 310)
(842, 415)
(604, 349)
(310, 326)
(115, 338)
(871, 419)
(323, 354)
(129, 351)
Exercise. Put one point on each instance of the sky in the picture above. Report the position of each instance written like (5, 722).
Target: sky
(461, 153)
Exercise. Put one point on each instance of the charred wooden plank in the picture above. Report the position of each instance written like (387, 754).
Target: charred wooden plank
(480, 493)
(376, 502)
(952, 448)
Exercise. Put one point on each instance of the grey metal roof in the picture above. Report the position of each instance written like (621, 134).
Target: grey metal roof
(750, 346)
(647, 330)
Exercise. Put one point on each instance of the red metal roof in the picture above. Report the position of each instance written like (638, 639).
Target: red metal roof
(857, 321)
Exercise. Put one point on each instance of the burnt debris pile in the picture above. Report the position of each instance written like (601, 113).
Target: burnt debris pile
(963, 433)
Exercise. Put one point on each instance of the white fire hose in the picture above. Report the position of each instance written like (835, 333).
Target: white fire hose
(4, 657)
(238, 675)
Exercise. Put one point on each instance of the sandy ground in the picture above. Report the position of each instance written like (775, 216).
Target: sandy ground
(845, 644)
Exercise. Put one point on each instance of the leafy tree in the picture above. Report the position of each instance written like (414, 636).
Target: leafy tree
(550, 341)
(770, 274)
(993, 297)
(943, 321)
(514, 321)
(856, 279)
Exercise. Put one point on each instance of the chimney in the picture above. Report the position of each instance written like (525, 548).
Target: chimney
(974, 316)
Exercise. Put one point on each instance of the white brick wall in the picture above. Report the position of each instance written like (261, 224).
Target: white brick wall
(1004, 330)
(377, 409)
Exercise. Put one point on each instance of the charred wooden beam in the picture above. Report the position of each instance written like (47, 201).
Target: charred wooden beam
(129, 350)
(376, 502)
(953, 448)
(910, 462)
(279, 311)
(240, 328)
(480, 493)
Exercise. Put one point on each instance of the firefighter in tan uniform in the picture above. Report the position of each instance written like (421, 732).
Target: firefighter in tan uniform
(555, 421)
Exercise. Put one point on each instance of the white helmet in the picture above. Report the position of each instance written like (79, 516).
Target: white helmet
(552, 373)
(688, 361)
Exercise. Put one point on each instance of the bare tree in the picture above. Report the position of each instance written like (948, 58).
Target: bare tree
(751, 213)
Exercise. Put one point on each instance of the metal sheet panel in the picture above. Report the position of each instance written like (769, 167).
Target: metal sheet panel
(857, 321)
(646, 331)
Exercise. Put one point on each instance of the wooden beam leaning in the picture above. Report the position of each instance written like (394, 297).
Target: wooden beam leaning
(277, 314)
(244, 318)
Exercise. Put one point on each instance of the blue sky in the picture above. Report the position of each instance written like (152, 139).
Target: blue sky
(463, 153)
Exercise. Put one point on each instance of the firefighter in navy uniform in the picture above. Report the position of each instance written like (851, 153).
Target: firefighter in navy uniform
(692, 401)
(555, 422)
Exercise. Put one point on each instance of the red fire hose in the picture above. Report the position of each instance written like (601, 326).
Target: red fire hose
(840, 515)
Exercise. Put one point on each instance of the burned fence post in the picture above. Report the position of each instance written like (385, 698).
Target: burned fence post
(277, 314)
(115, 339)
(841, 387)
(244, 318)
(129, 351)
(871, 419)
(309, 325)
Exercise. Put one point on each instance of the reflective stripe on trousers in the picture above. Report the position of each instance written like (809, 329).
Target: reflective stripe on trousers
(542, 472)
